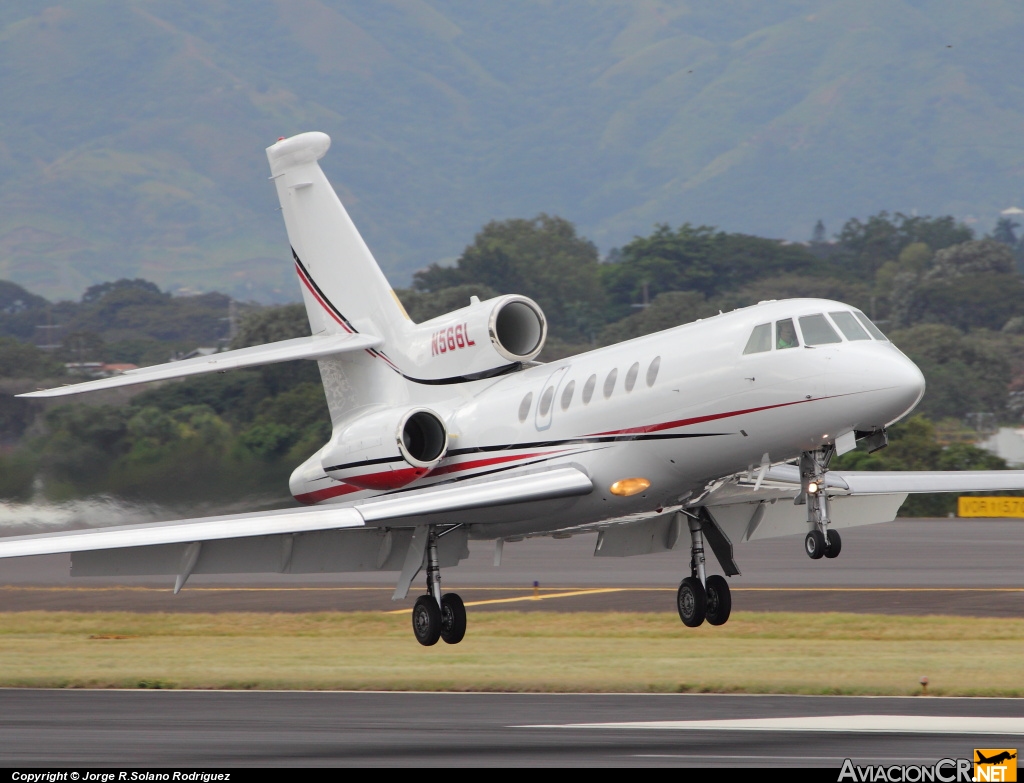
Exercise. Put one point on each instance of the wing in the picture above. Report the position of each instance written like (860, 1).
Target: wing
(750, 506)
(315, 347)
(407, 507)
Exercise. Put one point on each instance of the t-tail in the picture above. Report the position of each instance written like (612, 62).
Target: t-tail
(343, 288)
(345, 291)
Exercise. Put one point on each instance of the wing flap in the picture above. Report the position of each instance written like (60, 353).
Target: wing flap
(315, 347)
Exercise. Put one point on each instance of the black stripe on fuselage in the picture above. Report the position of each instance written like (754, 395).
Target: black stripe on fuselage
(537, 445)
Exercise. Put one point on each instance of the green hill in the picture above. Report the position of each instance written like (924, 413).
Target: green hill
(132, 136)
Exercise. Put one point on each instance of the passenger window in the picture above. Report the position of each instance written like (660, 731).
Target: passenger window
(588, 389)
(652, 371)
(545, 401)
(818, 331)
(760, 339)
(848, 326)
(785, 334)
(873, 330)
(524, 406)
(631, 376)
(567, 392)
(609, 382)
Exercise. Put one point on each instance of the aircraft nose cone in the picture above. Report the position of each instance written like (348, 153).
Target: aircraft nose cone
(908, 385)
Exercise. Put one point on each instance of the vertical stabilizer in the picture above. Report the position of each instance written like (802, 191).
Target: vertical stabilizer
(342, 286)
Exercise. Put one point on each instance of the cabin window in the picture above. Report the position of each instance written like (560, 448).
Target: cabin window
(588, 389)
(818, 331)
(849, 326)
(760, 339)
(652, 371)
(545, 401)
(785, 334)
(631, 376)
(609, 382)
(524, 406)
(873, 330)
(567, 393)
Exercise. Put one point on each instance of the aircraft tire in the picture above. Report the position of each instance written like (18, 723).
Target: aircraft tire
(719, 599)
(691, 602)
(835, 544)
(453, 618)
(814, 544)
(426, 620)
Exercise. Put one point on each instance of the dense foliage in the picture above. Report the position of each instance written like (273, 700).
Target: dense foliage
(950, 301)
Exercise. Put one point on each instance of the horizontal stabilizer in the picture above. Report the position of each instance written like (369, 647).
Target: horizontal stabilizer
(461, 496)
(316, 347)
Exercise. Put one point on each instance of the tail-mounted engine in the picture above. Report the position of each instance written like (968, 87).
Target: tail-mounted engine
(386, 449)
(478, 340)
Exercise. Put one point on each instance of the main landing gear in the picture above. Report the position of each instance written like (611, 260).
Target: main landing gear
(436, 616)
(701, 597)
(820, 541)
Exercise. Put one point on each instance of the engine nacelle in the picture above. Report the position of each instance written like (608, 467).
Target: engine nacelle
(386, 449)
(479, 339)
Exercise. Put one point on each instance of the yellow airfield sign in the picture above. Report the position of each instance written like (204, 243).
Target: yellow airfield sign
(999, 506)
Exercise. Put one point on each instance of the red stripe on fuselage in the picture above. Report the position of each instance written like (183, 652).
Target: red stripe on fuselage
(669, 425)
(318, 495)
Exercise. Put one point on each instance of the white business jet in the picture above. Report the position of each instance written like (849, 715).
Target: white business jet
(718, 431)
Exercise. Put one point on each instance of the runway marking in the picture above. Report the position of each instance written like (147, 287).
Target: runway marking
(543, 594)
(540, 597)
(860, 724)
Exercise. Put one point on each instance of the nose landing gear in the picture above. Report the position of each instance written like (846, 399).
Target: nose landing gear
(436, 616)
(820, 541)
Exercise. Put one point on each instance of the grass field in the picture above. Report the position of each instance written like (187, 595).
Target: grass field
(517, 651)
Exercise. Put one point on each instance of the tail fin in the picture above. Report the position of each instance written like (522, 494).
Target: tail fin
(342, 286)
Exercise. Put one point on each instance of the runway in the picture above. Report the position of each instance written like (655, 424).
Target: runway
(946, 566)
(189, 729)
(969, 567)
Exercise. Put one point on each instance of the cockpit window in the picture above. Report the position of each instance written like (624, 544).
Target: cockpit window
(848, 326)
(785, 334)
(873, 330)
(760, 339)
(817, 330)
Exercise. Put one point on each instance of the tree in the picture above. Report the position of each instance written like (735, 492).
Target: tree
(542, 258)
(697, 258)
(970, 285)
(666, 311)
(881, 238)
(819, 236)
(1004, 231)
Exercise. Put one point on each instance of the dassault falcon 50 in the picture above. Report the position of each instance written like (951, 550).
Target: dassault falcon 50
(708, 434)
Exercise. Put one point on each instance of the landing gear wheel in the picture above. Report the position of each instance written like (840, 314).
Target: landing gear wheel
(453, 618)
(814, 544)
(426, 620)
(691, 601)
(835, 544)
(719, 599)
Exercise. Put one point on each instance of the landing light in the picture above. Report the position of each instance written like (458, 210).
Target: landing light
(812, 488)
(629, 486)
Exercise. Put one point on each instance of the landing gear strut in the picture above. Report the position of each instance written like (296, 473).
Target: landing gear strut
(820, 541)
(436, 616)
(701, 597)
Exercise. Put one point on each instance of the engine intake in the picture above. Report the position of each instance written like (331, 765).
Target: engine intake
(477, 340)
(518, 328)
